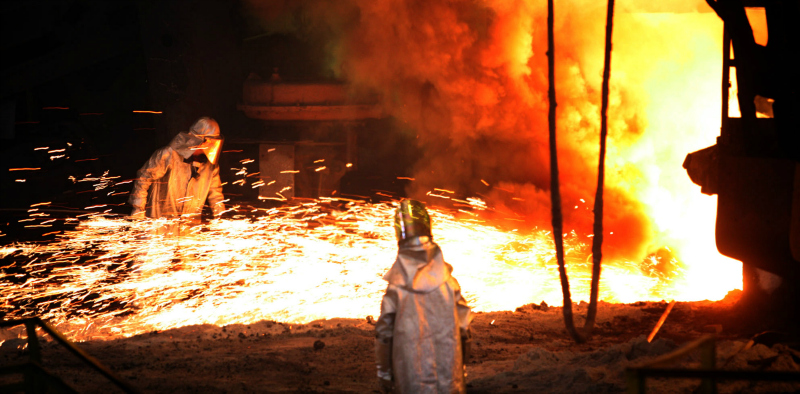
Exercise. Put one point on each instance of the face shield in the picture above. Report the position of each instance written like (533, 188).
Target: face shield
(411, 220)
(211, 147)
(206, 130)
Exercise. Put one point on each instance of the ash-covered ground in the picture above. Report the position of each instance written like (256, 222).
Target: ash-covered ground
(524, 351)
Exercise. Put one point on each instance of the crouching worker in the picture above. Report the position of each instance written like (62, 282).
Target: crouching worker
(422, 335)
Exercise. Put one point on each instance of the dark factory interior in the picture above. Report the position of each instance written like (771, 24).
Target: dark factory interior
(330, 114)
(117, 79)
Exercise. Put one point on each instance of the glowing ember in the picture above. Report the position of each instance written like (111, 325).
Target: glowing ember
(115, 277)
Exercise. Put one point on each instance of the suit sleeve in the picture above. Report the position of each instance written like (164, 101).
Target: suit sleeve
(153, 169)
(384, 333)
(463, 310)
(215, 196)
(464, 315)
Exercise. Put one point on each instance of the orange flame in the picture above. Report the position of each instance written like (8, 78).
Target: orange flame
(471, 79)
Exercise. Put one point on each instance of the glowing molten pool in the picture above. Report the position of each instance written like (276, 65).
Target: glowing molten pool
(114, 277)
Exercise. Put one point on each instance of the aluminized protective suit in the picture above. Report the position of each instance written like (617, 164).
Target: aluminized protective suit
(175, 181)
(423, 318)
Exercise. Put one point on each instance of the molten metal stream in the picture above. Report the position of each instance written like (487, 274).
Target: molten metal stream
(113, 277)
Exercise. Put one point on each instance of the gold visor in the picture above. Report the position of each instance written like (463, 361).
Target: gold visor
(211, 147)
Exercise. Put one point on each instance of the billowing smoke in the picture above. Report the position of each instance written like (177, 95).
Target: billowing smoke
(470, 79)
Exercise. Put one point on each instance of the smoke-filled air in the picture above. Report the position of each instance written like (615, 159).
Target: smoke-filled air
(469, 79)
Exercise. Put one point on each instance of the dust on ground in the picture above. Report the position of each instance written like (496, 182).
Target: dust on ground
(527, 350)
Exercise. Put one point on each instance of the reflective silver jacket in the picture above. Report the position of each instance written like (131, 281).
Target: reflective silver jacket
(423, 316)
(175, 188)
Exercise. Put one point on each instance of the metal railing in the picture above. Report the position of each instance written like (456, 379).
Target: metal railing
(33, 369)
(709, 375)
(36, 380)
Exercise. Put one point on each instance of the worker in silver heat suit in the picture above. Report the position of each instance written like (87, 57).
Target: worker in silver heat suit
(422, 335)
(178, 178)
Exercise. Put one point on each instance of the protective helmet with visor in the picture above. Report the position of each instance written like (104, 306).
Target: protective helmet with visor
(206, 130)
(411, 220)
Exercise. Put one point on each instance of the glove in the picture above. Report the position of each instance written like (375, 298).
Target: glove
(137, 213)
(386, 385)
(466, 343)
(218, 209)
